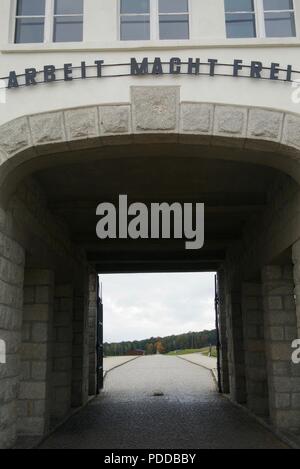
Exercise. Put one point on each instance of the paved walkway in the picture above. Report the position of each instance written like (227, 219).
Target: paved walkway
(110, 363)
(161, 402)
(207, 362)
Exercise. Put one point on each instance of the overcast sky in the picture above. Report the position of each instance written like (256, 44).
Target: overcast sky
(141, 306)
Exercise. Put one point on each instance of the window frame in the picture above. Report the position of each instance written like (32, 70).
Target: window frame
(74, 15)
(154, 22)
(260, 24)
(48, 23)
(16, 17)
(240, 12)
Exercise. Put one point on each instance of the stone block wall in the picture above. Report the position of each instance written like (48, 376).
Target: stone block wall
(296, 261)
(80, 354)
(62, 352)
(36, 353)
(12, 260)
(93, 280)
(236, 355)
(223, 332)
(280, 330)
(255, 354)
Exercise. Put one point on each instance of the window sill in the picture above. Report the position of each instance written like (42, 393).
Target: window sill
(150, 45)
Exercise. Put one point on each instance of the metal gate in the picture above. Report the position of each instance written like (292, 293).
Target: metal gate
(217, 309)
(99, 344)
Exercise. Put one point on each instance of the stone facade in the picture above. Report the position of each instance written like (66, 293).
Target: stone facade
(255, 353)
(80, 355)
(62, 351)
(92, 333)
(36, 319)
(222, 321)
(36, 353)
(280, 330)
(50, 335)
(12, 261)
(163, 113)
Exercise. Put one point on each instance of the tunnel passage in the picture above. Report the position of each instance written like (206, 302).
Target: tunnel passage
(251, 229)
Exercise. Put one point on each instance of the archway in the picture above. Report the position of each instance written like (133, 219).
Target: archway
(242, 163)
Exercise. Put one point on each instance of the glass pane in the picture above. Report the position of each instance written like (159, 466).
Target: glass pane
(31, 8)
(135, 28)
(278, 5)
(68, 29)
(68, 7)
(174, 27)
(29, 30)
(240, 25)
(280, 25)
(135, 6)
(239, 5)
(173, 6)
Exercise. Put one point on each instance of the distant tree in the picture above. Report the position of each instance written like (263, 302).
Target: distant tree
(149, 349)
(166, 344)
(159, 347)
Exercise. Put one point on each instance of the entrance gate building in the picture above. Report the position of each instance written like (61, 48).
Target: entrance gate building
(204, 117)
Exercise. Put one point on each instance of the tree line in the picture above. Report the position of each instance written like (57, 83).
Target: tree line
(190, 340)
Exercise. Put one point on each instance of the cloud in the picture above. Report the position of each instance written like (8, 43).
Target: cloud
(139, 306)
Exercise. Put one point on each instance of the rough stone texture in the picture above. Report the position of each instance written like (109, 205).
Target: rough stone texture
(255, 355)
(265, 125)
(36, 354)
(114, 119)
(291, 131)
(93, 280)
(223, 332)
(296, 261)
(47, 128)
(25, 390)
(155, 108)
(80, 355)
(271, 234)
(230, 121)
(82, 123)
(11, 299)
(283, 385)
(15, 136)
(235, 336)
(61, 377)
(197, 118)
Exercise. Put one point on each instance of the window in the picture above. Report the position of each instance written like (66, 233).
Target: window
(154, 19)
(39, 21)
(135, 20)
(279, 18)
(68, 21)
(30, 21)
(173, 19)
(240, 18)
(260, 18)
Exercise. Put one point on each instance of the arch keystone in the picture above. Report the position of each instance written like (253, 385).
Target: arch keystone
(155, 109)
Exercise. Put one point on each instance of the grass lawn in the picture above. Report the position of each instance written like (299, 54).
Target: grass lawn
(205, 351)
(185, 351)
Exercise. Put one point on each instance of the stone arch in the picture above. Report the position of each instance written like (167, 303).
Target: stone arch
(155, 115)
